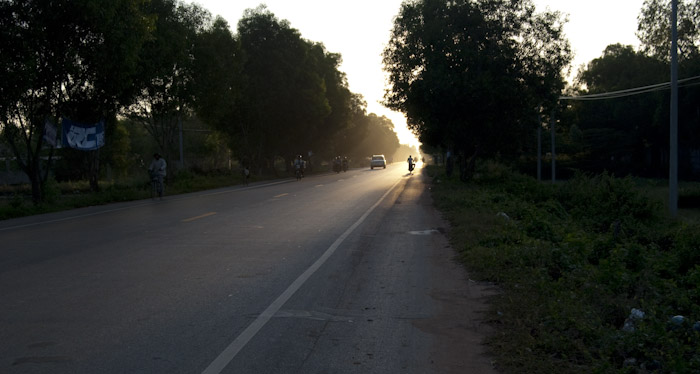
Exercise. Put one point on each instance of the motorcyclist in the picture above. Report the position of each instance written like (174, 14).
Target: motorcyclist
(410, 164)
(336, 164)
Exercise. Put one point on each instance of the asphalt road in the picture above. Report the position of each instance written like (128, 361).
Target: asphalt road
(338, 273)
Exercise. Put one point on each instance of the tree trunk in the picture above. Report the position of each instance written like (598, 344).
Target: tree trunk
(30, 163)
(94, 169)
(37, 195)
(467, 166)
(449, 163)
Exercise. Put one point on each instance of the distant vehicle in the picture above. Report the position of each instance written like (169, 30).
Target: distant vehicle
(377, 161)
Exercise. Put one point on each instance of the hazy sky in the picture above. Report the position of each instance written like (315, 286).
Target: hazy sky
(359, 30)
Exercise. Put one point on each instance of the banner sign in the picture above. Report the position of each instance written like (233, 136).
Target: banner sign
(83, 137)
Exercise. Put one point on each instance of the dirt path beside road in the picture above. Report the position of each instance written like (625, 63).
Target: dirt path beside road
(459, 328)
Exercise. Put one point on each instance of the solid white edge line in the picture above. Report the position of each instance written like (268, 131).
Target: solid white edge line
(241, 340)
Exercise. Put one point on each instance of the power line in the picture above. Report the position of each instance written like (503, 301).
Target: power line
(633, 91)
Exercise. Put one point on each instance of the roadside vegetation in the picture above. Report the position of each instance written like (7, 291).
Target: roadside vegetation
(594, 277)
(15, 201)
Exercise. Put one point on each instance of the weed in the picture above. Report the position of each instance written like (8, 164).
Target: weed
(573, 260)
(71, 194)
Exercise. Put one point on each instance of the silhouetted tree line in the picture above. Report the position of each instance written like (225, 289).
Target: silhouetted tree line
(477, 78)
(154, 67)
(630, 134)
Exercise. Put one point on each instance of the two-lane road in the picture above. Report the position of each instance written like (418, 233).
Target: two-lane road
(339, 273)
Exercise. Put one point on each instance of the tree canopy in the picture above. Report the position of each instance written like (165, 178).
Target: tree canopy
(654, 28)
(72, 59)
(474, 74)
(265, 91)
(165, 81)
(630, 134)
(627, 133)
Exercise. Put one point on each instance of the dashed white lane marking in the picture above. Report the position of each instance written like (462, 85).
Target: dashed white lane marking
(241, 340)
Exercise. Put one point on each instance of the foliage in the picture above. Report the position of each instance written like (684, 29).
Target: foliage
(266, 93)
(77, 194)
(627, 134)
(573, 260)
(655, 23)
(472, 75)
(122, 160)
(218, 83)
(284, 98)
(166, 95)
(378, 138)
(63, 59)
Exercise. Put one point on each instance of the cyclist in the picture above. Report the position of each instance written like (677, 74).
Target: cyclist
(157, 170)
(299, 166)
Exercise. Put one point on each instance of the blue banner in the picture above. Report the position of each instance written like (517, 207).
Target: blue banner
(83, 137)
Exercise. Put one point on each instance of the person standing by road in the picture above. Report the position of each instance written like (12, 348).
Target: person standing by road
(246, 174)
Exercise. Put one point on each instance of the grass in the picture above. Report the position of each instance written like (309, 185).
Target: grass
(688, 196)
(573, 260)
(15, 201)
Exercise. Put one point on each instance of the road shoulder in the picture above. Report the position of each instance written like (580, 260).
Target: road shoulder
(459, 327)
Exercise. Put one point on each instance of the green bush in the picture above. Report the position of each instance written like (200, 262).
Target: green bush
(51, 190)
(573, 259)
(604, 203)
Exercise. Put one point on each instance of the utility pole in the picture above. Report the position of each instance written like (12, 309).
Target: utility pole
(552, 121)
(673, 147)
(539, 150)
(182, 147)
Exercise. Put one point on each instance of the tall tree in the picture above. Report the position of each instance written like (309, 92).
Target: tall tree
(655, 23)
(63, 59)
(330, 137)
(471, 75)
(654, 33)
(626, 134)
(218, 84)
(284, 97)
(379, 138)
(352, 128)
(166, 95)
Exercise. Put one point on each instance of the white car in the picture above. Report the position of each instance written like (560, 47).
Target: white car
(377, 161)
